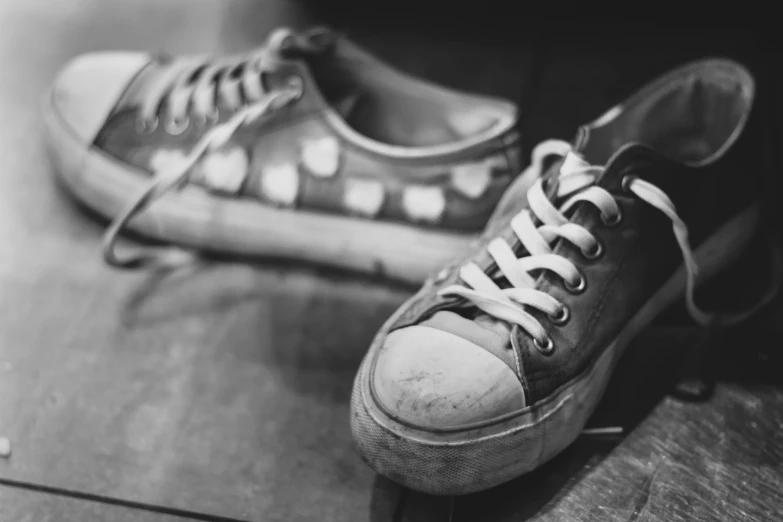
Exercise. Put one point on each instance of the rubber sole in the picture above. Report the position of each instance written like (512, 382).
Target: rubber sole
(469, 461)
(200, 220)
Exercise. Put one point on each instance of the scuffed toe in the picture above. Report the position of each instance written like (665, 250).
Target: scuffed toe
(89, 86)
(434, 380)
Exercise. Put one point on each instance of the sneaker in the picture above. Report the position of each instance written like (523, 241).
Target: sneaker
(307, 148)
(495, 365)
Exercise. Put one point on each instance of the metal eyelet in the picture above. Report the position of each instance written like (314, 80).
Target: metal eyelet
(595, 252)
(578, 288)
(209, 119)
(561, 317)
(614, 220)
(296, 85)
(147, 126)
(546, 348)
(175, 126)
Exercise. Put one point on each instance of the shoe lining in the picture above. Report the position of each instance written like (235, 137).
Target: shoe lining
(691, 119)
(392, 108)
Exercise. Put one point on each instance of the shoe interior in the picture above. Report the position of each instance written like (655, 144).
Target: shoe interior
(691, 115)
(395, 109)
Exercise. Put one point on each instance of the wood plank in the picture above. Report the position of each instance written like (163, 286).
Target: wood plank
(21, 505)
(718, 459)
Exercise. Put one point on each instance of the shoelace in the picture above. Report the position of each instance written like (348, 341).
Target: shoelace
(577, 183)
(245, 94)
(196, 89)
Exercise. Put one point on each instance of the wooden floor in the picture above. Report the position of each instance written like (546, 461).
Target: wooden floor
(222, 393)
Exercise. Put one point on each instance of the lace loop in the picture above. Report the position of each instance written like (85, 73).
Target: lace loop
(595, 252)
(561, 317)
(175, 177)
(578, 287)
(196, 88)
(542, 224)
(613, 220)
(546, 347)
(147, 126)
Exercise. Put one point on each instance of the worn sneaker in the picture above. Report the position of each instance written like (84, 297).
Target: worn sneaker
(495, 365)
(307, 148)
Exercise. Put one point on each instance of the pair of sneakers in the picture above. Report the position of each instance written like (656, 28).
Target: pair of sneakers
(312, 148)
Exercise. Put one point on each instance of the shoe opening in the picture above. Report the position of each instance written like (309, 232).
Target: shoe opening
(691, 115)
(387, 106)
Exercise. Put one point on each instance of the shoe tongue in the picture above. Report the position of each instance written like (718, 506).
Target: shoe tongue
(572, 164)
(559, 180)
(568, 181)
(555, 173)
(483, 330)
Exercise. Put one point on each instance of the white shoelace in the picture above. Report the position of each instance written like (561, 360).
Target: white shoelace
(195, 90)
(237, 81)
(174, 177)
(577, 181)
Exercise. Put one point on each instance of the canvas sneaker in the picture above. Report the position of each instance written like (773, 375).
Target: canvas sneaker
(496, 364)
(308, 148)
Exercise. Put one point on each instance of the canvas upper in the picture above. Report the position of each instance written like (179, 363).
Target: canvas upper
(447, 363)
(357, 138)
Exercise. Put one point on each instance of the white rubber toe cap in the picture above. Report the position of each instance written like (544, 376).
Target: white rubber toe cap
(434, 380)
(89, 86)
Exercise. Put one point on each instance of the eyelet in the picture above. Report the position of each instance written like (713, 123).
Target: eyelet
(176, 126)
(578, 288)
(209, 119)
(147, 126)
(296, 85)
(547, 348)
(561, 317)
(614, 220)
(595, 252)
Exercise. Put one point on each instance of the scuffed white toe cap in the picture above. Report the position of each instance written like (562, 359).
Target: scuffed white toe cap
(89, 87)
(433, 380)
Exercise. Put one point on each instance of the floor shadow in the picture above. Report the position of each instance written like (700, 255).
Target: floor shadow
(227, 281)
(321, 347)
